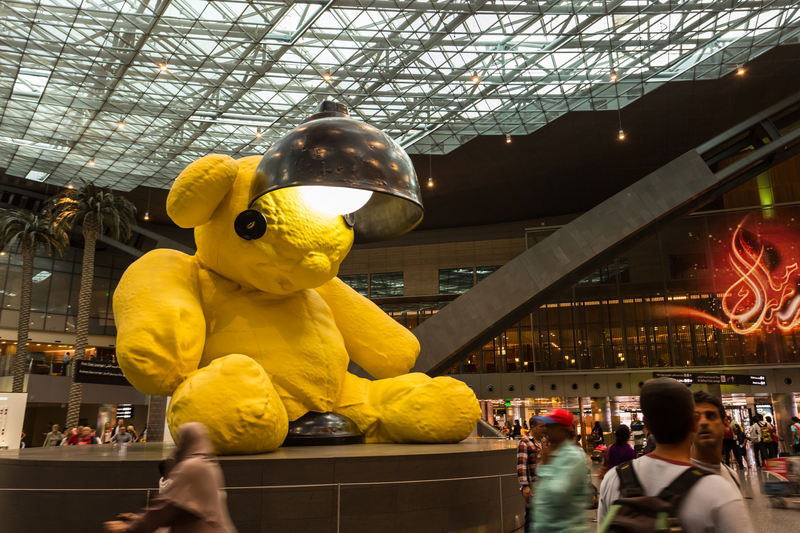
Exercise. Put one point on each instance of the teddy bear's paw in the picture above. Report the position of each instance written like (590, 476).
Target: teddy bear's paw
(236, 401)
(438, 410)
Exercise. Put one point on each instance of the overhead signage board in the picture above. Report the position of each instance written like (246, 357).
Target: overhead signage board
(714, 379)
(125, 410)
(102, 373)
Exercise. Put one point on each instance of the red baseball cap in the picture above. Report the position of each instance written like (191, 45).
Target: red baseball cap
(562, 417)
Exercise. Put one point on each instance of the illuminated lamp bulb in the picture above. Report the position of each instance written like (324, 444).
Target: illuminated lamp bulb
(335, 200)
(121, 124)
(475, 78)
(147, 215)
(430, 181)
(621, 135)
(91, 162)
(613, 76)
(69, 186)
(740, 70)
(163, 67)
(2, 253)
(327, 75)
(508, 139)
(258, 133)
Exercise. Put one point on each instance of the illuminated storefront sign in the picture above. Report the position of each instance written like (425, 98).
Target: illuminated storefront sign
(713, 379)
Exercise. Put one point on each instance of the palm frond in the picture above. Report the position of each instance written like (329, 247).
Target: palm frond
(21, 229)
(110, 211)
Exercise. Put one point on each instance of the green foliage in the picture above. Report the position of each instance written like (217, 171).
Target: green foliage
(27, 230)
(95, 205)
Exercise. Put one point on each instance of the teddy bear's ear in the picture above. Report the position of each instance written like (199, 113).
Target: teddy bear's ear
(199, 189)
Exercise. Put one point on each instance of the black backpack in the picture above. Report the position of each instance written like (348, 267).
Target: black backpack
(634, 512)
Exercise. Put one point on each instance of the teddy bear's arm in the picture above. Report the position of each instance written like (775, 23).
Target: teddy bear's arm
(373, 340)
(161, 328)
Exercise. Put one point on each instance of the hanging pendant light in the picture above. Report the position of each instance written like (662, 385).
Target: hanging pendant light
(345, 167)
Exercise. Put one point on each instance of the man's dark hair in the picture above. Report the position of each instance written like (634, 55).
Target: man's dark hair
(668, 409)
(704, 397)
(623, 434)
(769, 419)
(795, 419)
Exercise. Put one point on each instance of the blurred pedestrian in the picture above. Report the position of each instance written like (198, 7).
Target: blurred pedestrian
(561, 493)
(597, 435)
(529, 452)
(123, 437)
(795, 435)
(192, 500)
(620, 451)
(53, 438)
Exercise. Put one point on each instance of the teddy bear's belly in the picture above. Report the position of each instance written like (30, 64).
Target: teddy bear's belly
(294, 339)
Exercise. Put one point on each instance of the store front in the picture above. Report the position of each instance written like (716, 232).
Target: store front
(614, 411)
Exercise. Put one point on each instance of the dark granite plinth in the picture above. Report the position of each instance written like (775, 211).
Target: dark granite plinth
(367, 487)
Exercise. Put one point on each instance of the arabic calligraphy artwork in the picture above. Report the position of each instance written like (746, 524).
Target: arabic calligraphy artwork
(763, 293)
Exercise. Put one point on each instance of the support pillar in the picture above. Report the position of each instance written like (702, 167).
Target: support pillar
(156, 416)
(615, 418)
(784, 408)
(601, 412)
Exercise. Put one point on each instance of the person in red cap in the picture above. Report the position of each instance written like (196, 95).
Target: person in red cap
(562, 494)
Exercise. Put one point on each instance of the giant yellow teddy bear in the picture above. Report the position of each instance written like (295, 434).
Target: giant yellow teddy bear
(247, 335)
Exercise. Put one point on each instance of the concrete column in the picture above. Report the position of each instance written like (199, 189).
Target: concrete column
(156, 415)
(784, 408)
(601, 412)
(615, 421)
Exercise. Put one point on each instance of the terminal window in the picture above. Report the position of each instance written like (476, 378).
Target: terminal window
(386, 285)
(481, 273)
(358, 282)
(455, 280)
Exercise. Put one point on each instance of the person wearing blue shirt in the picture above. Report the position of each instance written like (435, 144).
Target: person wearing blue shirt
(561, 495)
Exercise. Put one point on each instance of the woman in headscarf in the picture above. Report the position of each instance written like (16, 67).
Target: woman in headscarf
(192, 498)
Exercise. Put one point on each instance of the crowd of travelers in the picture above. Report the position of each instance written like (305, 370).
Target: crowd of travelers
(677, 476)
(83, 435)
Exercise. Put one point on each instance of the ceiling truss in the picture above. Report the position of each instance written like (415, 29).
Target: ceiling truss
(193, 77)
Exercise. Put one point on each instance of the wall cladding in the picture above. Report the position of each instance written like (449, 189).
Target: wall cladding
(420, 264)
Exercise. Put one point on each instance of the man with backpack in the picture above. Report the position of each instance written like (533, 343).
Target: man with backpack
(760, 437)
(664, 490)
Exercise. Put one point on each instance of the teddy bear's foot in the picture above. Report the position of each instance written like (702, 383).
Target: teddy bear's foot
(236, 401)
(416, 408)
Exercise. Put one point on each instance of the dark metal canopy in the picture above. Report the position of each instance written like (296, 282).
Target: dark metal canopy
(331, 149)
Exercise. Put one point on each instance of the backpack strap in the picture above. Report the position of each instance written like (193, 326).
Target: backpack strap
(675, 491)
(629, 486)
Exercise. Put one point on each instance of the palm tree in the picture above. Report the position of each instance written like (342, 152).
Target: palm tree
(96, 210)
(27, 230)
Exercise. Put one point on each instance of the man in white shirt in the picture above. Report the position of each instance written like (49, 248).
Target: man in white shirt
(712, 504)
(707, 443)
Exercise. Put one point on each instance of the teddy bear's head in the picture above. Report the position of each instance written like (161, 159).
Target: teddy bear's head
(302, 247)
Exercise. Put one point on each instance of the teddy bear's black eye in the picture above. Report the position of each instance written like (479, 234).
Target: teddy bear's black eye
(350, 219)
(250, 224)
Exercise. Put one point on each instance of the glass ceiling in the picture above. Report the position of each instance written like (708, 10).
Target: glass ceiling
(193, 77)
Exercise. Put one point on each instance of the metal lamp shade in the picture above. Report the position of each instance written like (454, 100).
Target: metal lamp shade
(331, 149)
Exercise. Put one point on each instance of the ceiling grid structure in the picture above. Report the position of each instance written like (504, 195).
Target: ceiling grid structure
(127, 93)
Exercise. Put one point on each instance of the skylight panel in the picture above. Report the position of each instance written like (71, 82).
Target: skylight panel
(35, 175)
(30, 83)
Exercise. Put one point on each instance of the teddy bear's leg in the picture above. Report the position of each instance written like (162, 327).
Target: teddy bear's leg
(410, 408)
(235, 399)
